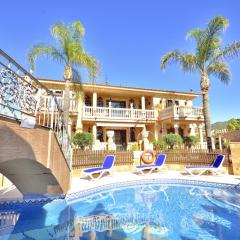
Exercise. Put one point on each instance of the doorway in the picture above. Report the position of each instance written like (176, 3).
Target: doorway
(120, 139)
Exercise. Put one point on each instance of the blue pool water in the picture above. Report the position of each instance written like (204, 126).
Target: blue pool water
(178, 210)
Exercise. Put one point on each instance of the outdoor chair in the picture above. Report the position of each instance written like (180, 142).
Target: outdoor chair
(106, 168)
(159, 163)
(216, 167)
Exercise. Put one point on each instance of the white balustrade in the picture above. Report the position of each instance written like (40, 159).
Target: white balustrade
(118, 113)
(46, 103)
(181, 112)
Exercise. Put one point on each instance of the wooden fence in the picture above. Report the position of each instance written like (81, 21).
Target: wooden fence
(94, 158)
(195, 156)
(89, 158)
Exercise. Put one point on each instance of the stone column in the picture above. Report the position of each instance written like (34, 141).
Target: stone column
(176, 127)
(80, 107)
(192, 129)
(156, 131)
(143, 103)
(200, 126)
(235, 153)
(69, 127)
(111, 144)
(94, 99)
(145, 135)
(94, 132)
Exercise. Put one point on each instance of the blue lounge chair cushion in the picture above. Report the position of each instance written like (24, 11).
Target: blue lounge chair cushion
(217, 162)
(93, 169)
(200, 167)
(107, 164)
(159, 162)
(146, 166)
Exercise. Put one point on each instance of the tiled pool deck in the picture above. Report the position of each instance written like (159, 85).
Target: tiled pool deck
(81, 184)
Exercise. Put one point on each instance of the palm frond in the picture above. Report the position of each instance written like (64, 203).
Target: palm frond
(230, 51)
(187, 61)
(44, 50)
(60, 32)
(210, 41)
(78, 30)
(89, 62)
(220, 70)
(77, 82)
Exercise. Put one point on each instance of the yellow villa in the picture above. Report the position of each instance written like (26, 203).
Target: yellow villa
(128, 111)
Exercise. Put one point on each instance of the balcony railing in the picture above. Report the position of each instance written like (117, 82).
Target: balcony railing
(118, 113)
(182, 112)
(46, 103)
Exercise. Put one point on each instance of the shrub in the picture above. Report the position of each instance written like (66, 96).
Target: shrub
(135, 147)
(172, 139)
(159, 144)
(83, 139)
(190, 141)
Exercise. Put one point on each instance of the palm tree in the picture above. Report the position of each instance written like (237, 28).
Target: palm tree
(69, 51)
(209, 59)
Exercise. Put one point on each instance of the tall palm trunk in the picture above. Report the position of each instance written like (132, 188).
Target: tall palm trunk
(66, 103)
(206, 113)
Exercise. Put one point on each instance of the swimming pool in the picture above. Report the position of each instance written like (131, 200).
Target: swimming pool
(152, 209)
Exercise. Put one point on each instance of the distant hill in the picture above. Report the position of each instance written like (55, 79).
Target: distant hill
(219, 125)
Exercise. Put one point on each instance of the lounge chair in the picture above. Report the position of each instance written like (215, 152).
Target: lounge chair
(216, 167)
(106, 167)
(160, 161)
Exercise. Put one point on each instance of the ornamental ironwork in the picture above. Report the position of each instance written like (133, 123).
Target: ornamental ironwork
(17, 94)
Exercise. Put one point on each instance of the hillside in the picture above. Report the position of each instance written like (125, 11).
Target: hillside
(219, 125)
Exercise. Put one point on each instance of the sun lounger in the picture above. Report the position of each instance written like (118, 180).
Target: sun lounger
(160, 161)
(216, 167)
(106, 167)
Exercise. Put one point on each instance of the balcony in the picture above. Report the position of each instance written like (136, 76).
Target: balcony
(108, 113)
(46, 104)
(181, 112)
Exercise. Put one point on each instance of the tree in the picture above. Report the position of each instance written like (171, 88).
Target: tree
(172, 139)
(209, 59)
(233, 124)
(83, 139)
(190, 141)
(69, 51)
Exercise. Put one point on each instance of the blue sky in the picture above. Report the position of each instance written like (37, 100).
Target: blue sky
(128, 37)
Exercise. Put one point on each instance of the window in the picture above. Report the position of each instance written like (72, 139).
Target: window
(177, 103)
(100, 134)
(169, 103)
(58, 93)
(99, 102)
(117, 104)
(132, 135)
(131, 102)
(88, 101)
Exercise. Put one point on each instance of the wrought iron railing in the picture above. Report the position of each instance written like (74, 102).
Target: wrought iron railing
(20, 95)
